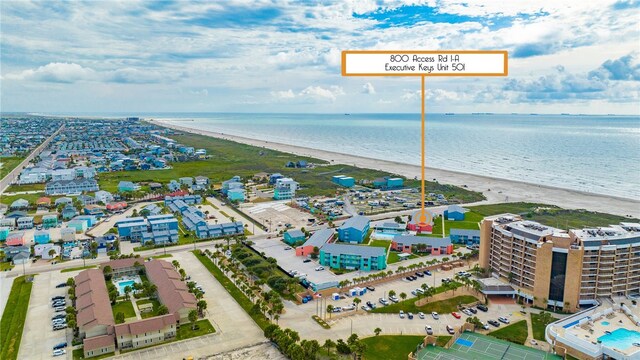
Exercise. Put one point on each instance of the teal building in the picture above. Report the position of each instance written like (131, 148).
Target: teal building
(353, 257)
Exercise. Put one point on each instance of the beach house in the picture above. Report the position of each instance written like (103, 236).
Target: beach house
(127, 186)
(4, 232)
(103, 196)
(44, 251)
(68, 234)
(19, 204)
(41, 237)
(49, 221)
(415, 225)
(236, 195)
(24, 222)
(285, 188)
(388, 182)
(76, 186)
(15, 239)
(318, 239)
(173, 185)
(274, 177)
(342, 180)
(187, 181)
(354, 230)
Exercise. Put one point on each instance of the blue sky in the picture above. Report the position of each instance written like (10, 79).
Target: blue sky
(284, 56)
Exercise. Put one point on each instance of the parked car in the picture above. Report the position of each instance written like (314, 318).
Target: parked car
(336, 309)
(473, 310)
(413, 277)
(348, 307)
(61, 345)
(59, 327)
(371, 288)
(365, 308)
(503, 319)
(421, 315)
(451, 330)
(61, 285)
(466, 312)
(288, 248)
(394, 298)
(371, 305)
(408, 278)
(319, 268)
(485, 326)
(429, 330)
(456, 315)
(401, 314)
(59, 352)
(410, 316)
(427, 272)
(383, 301)
(306, 260)
(482, 307)
(59, 316)
(57, 298)
(419, 274)
(435, 315)
(494, 323)
(59, 308)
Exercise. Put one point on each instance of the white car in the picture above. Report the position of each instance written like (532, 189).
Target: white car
(503, 319)
(435, 315)
(59, 352)
(319, 268)
(429, 330)
(394, 298)
(467, 312)
(401, 314)
(421, 315)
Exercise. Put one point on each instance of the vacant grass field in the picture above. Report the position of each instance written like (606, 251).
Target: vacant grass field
(515, 333)
(409, 305)
(552, 215)
(12, 322)
(539, 323)
(386, 347)
(25, 187)
(31, 198)
(125, 307)
(9, 163)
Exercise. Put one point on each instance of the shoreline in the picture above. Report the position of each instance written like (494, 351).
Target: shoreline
(501, 190)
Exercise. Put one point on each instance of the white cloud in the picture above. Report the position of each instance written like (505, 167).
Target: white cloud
(55, 72)
(316, 93)
(286, 94)
(368, 88)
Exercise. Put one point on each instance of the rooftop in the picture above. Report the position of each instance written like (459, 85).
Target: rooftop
(367, 251)
(357, 222)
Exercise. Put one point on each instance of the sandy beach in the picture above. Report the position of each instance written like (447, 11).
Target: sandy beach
(496, 190)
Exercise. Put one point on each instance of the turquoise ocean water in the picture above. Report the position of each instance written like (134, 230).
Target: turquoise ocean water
(599, 154)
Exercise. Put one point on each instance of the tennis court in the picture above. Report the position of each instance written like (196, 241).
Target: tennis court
(471, 346)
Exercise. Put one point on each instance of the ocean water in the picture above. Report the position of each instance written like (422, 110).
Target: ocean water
(599, 154)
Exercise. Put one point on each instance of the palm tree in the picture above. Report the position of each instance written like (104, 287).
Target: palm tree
(193, 317)
(127, 291)
(377, 331)
(357, 301)
(403, 296)
(329, 344)
(329, 310)
(392, 293)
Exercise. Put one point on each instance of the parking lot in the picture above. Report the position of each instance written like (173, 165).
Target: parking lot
(390, 200)
(276, 214)
(288, 260)
(41, 338)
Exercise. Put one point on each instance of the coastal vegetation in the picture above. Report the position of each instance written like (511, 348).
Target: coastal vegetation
(227, 159)
(9, 163)
(515, 333)
(552, 215)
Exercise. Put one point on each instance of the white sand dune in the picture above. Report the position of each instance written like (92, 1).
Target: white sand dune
(496, 190)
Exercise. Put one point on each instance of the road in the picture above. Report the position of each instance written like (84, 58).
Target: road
(13, 175)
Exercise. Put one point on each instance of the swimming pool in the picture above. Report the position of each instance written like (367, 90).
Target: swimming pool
(605, 323)
(620, 339)
(121, 284)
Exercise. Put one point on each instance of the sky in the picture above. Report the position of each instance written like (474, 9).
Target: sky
(284, 56)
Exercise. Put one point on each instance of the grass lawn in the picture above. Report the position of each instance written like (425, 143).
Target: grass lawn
(5, 265)
(9, 163)
(442, 306)
(125, 307)
(386, 347)
(25, 187)
(380, 243)
(442, 340)
(393, 257)
(78, 268)
(539, 323)
(31, 198)
(12, 322)
(204, 327)
(470, 222)
(515, 333)
(162, 256)
(149, 314)
(231, 288)
(552, 215)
